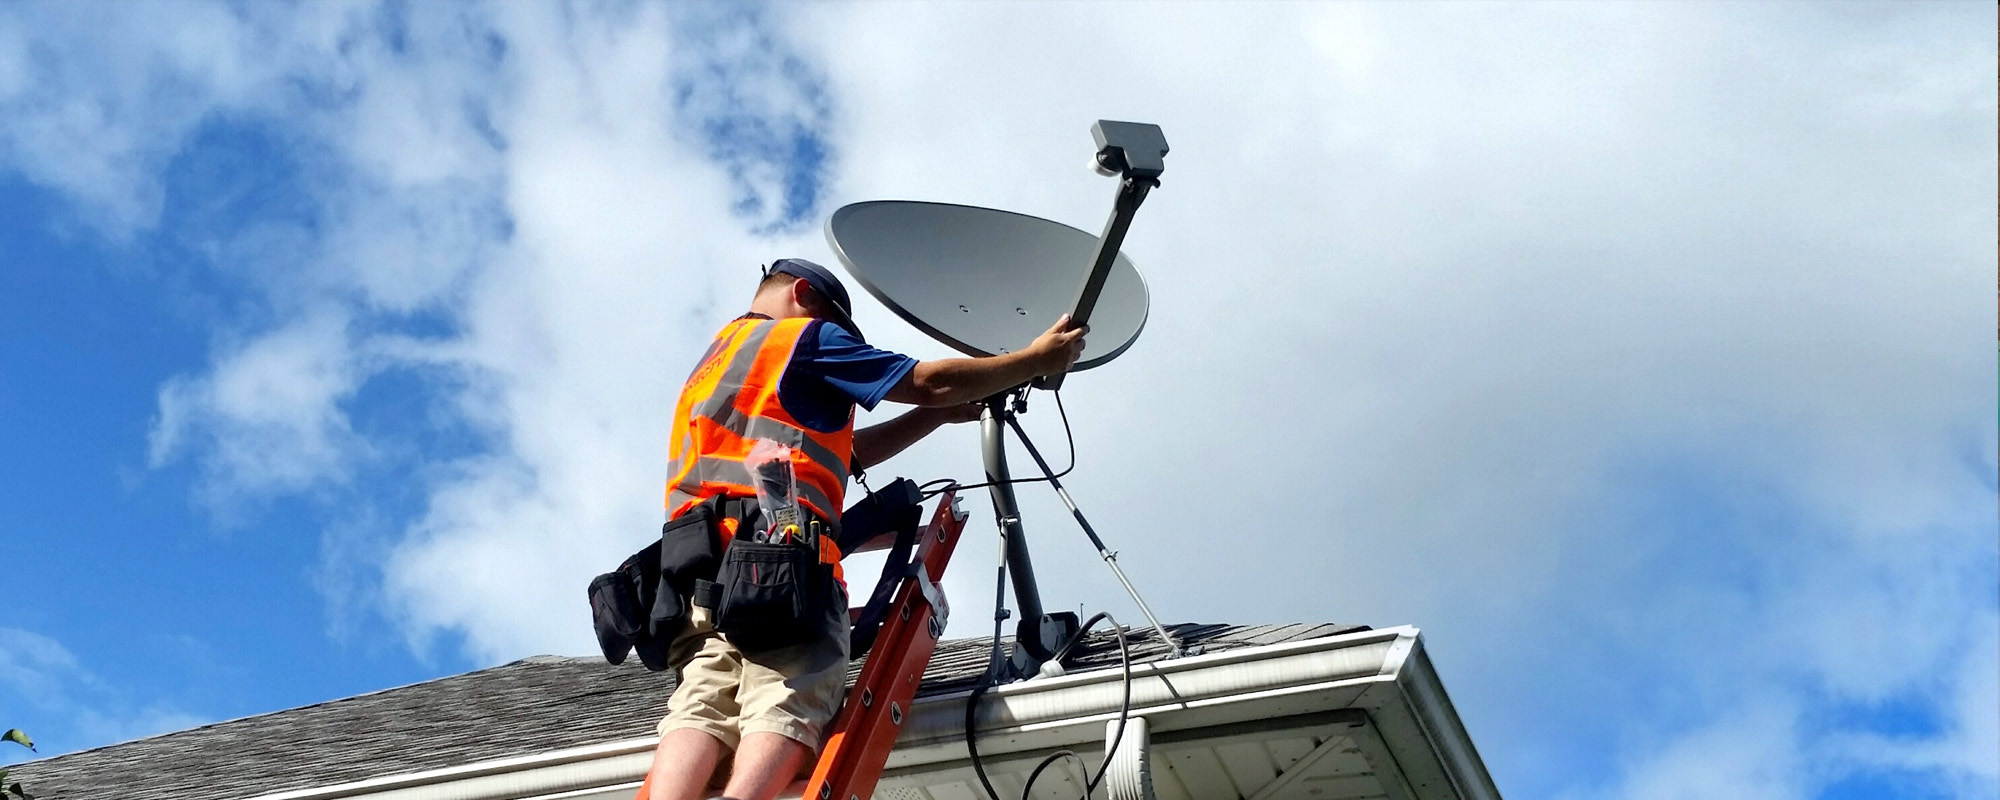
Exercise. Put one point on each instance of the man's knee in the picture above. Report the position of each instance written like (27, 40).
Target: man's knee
(691, 742)
(683, 764)
(766, 763)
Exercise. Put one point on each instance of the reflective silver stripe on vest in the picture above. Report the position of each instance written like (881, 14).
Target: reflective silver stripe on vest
(740, 364)
(710, 469)
(677, 498)
(750, 427)
(723, 470)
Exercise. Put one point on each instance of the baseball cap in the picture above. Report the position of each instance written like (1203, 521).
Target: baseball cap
(823, 281)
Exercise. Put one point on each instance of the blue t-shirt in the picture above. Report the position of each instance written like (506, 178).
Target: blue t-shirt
(832, 371)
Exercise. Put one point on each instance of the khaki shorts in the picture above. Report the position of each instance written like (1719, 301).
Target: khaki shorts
(792, 691)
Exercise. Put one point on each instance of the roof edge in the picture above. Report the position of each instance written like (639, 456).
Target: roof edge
(497, 768)
(1027, 715)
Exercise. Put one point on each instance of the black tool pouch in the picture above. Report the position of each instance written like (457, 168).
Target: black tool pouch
(643, 603)
(773, 595)
(621, 600)
(687, 554)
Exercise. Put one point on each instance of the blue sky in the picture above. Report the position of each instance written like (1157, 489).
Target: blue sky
(1639, 351)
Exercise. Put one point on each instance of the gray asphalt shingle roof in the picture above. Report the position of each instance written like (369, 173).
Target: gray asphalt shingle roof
(534, 705)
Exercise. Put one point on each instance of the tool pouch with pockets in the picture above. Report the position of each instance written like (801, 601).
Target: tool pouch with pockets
(688, 553)
(773, 595)
(643, 604)
(620, 601)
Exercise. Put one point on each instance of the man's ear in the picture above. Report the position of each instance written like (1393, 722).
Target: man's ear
(803, 295)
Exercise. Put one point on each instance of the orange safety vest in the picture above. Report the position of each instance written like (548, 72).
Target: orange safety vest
(730, 401)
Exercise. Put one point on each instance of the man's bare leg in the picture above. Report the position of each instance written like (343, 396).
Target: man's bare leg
(682, 765)
(765, 764)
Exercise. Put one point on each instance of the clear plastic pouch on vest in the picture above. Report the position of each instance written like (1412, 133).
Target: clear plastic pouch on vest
(770, 465)
(775, 591)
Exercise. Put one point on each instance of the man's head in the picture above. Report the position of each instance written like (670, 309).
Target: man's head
(795, 287)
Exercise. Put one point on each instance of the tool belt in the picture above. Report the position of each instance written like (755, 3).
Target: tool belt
(763, 595)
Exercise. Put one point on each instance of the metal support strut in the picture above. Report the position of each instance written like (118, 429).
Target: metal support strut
(1110, 556)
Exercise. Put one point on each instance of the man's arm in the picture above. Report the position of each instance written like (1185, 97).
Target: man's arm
(957, 381)
(878, 443)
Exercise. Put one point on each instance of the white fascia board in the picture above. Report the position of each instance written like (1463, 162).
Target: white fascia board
(1383, 672)
(1415, 709)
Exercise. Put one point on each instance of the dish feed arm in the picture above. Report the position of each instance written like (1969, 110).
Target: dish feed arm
(1136, 152)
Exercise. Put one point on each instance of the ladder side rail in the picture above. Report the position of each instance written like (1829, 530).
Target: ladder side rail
(871, 718)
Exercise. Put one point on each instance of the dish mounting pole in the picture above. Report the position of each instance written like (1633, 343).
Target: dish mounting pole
(1038, 635)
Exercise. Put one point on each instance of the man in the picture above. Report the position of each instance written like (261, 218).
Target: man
(792, 370)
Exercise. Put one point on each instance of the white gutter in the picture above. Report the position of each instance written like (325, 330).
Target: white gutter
(1382, 671)
(555, 772)
(1421, 707)
(1196, 692)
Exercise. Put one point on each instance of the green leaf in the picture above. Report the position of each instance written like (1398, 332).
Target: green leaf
(16, 736)
(19, 792)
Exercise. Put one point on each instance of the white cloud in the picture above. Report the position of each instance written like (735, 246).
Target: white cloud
(1752, 755)
(1962, 755)
(267, 417)
(106, 146)
(1635, 351)
(1762, 743)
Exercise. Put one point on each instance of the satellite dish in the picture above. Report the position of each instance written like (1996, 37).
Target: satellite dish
(985, 281)
(988, 282)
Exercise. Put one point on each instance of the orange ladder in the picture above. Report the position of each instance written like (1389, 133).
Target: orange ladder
(871, 718)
